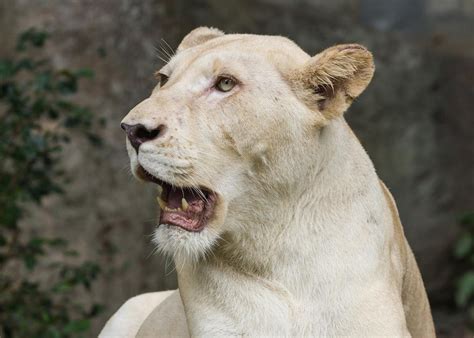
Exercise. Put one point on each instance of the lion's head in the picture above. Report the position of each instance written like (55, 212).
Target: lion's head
(233, 125)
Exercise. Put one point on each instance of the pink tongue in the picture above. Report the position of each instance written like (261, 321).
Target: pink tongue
(177, 194)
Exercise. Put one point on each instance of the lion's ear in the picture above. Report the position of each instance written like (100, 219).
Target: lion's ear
(335, 77)
(199, 35)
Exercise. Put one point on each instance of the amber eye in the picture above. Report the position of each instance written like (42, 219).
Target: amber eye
(162, 79)
(224, 84)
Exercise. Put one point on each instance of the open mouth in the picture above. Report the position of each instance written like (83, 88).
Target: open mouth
(186, 207)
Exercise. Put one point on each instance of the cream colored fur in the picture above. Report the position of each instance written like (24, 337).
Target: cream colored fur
(306, 240)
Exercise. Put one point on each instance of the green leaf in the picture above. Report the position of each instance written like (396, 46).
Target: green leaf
(62, 286)
(95, 310)
(53, 332)
(465, 289)
(67, 82)
(33, 93)
(85, 72)
(25, 64)
(32, 37)
(43, 81)
(57, 242)
(467, 219)
(7, 69)
(77, 326)
(29, 261)
(463, 246)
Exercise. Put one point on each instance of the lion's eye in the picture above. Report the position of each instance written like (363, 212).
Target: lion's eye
(224, 84)
(162, 78)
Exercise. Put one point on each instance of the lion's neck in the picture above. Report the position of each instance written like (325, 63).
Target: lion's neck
(333, 216)
(311, 249)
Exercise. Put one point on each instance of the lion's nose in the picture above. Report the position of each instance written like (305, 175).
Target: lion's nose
(138, 133)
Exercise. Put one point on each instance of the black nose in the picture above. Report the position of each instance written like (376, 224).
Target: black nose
(138, 133)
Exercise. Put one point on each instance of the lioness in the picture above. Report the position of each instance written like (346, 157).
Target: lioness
(270, 207)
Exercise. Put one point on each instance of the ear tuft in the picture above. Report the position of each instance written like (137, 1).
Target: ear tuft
(336, 76)
(198, 36)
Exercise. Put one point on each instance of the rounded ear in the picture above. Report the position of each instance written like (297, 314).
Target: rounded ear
(198, 36)
(333, 78)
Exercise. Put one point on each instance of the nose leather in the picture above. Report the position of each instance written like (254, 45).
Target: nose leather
(139, 134)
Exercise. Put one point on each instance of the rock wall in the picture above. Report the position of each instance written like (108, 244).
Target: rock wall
(415, 119)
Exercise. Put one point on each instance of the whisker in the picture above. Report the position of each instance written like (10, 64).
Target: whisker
(163, 59)
(162, 56)
(164, 50)
(195, 187)
(172, 51)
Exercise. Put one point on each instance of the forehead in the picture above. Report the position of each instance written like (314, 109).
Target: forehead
(281, 52)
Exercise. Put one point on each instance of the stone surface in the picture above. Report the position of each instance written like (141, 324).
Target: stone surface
(415, 120)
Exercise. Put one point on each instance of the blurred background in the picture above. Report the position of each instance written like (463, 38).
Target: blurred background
(83, 247)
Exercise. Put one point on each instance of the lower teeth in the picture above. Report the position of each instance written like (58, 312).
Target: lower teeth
(161, 203)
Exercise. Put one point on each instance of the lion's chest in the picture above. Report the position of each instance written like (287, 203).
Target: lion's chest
(226, 303)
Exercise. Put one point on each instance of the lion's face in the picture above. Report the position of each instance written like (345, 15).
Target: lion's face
(223, 121)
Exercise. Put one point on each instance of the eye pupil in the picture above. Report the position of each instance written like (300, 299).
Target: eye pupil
(225, 84)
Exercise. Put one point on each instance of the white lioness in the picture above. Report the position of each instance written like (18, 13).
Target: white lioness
(270, 207)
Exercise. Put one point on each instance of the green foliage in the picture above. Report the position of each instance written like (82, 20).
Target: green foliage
(37, 116)
(464, 253)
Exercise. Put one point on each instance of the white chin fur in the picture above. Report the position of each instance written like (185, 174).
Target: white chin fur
(182, 245)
